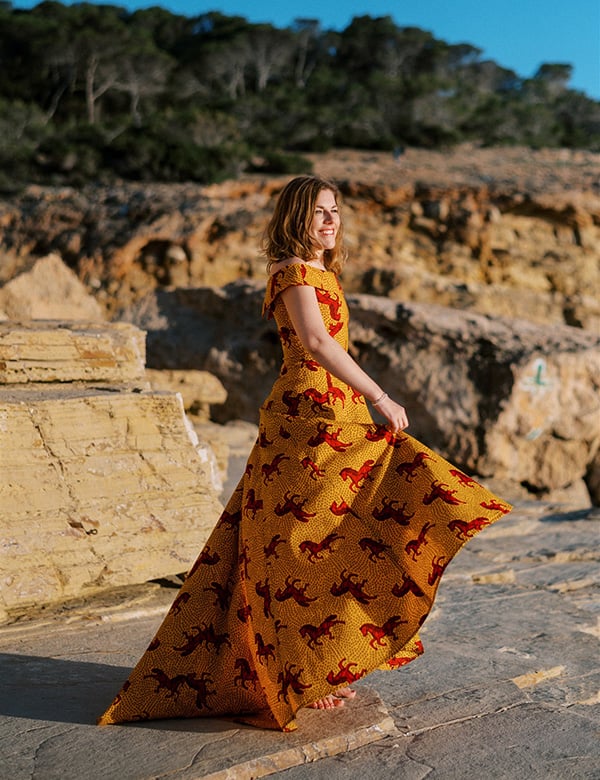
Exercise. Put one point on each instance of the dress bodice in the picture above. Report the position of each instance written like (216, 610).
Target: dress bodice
(304, 388)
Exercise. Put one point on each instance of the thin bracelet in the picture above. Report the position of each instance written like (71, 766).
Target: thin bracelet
(380, 399)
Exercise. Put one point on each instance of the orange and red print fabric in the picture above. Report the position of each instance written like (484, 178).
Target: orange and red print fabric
(325, 561)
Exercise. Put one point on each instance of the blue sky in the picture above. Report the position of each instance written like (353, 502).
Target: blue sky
(518, 34)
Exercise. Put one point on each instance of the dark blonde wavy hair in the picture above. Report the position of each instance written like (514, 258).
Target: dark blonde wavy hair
(287, 234)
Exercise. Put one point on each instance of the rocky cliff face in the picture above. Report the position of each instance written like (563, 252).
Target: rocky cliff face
(512, 232)
(504, 398)
(103, 481)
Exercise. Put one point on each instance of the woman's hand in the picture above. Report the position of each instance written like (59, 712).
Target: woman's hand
(394, 413)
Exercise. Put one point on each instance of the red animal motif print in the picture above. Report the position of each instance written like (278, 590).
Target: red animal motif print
(465, 530)
(253, 504)
(269, 470)
(271, 548)
(314, 471)
(358, 398)
(408, 586)
(494, 505)
(318, 400)
(376, 548)
(382, 433)
(232, 519)
(154, 645)
(285, 335)
(315, 550)
(284, 433)
(244, 561)
(207, 558)
(264, 591)
(246, 675)
(292, 401)
(357, 477)
(310, 364)
(290, 679)
(245, 613)
(323, 436)
(331, 300)
(200, 685)
(222, 593)
(203, 635)
(437, 569)
(464, 479)
(390, 510)
(292, 591)
(409, 469)
(263, 441)
(336, 393)
(171, 685)
(248, 471)
(263, 651)
(413, 548)
(378, 633)
(349, 584)
(294, 506)
(333, 330)
(179, 602)
(316, 633)
(442, 491)
(398, 661)
(341, 508)
(345, 674)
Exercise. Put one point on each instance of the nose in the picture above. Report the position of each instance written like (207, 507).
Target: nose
(327, 216)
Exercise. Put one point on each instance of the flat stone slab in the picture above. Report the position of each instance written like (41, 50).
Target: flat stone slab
(99, 489)
(57, 678)
(71, 351)
(509, 685)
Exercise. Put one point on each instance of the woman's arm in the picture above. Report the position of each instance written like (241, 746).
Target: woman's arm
(305, 315)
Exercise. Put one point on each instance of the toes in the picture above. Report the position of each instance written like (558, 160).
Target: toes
(328, 702)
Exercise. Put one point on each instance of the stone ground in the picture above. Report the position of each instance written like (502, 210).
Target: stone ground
(509, 686)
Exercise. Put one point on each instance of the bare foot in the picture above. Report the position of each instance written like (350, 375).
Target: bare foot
(329, 702)
(345, 693)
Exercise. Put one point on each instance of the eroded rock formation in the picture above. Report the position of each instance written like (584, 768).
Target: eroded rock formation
(502, 232)
(45, 289)
(104, 482)
(503, 398)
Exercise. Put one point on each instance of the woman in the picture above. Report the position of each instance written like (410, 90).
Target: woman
(326, 560)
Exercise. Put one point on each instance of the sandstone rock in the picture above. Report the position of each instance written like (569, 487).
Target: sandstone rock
(231, 444)
(101, 489)
(103, 482)
(48, 290)
(59, 351)
(198, 389)
(491, 222)
(501, 398)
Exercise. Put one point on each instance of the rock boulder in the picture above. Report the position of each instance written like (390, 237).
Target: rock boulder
(507, 399)
(104, 483)
(46, 289)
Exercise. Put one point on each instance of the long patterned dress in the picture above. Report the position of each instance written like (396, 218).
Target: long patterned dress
(325, 561)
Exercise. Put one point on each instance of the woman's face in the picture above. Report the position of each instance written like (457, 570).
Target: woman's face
(326, 220)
